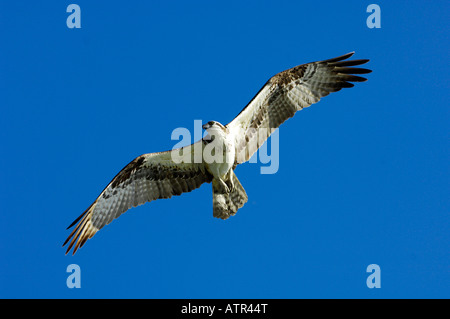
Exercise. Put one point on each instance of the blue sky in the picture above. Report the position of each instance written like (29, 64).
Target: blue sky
(363, 175)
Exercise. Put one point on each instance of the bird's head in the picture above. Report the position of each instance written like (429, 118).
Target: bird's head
(213, 126)
(214, 129)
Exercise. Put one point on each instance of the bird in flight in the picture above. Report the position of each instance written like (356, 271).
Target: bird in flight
(213, 159)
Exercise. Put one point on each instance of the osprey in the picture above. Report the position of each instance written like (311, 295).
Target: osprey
(165, 174)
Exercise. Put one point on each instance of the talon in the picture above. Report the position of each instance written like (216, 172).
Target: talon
(230, 182)
(230, 185)
(225, 186)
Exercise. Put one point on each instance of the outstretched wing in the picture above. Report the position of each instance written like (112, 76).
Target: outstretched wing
(285, 94)
(146, 178)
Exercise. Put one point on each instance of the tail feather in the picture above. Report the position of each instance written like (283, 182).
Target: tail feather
(226, 204)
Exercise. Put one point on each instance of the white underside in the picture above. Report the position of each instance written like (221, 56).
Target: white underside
(224, 151)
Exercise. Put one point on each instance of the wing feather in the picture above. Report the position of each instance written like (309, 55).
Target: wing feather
(288, 92)
(146, 178)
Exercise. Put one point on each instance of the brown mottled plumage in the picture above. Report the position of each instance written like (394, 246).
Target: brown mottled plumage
(146, 178)
(288, 92)
(157, 175)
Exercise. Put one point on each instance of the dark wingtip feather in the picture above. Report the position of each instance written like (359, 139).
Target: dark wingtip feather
(79, 217)
(347, 70)
(65, 242)
(354, 78)
(349, 63)
(340, 58)
(82, 231)
(75, 221)
(345, 84)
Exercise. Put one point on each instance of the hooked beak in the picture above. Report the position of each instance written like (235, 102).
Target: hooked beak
(206, 126)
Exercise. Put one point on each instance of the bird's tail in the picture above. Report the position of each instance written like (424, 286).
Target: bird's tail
(227, 203)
